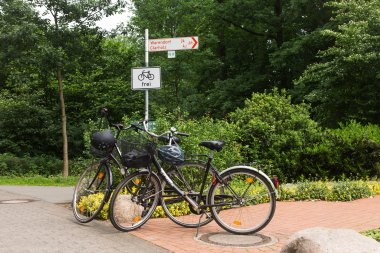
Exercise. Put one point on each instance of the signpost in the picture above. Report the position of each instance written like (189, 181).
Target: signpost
(150, 78)
(172, 44)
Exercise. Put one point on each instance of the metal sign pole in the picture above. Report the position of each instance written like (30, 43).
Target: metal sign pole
(146, 65)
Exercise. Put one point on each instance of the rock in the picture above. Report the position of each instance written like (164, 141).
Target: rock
(326, 240)
(127, 211)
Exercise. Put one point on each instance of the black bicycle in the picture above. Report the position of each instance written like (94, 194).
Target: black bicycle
(95, 184)
(241, 199)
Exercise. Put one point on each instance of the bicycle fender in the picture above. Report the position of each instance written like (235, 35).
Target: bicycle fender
(254, 169)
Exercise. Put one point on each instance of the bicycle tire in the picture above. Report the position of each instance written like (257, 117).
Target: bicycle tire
(244, 202)
(134, 200)
(94, 182)
(188, 177)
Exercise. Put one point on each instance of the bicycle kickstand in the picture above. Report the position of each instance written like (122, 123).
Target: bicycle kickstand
(199, 224)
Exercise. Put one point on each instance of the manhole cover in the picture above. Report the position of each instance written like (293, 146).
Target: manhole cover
(16, 201)
(231, 240)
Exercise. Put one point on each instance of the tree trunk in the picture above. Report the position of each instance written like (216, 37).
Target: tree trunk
(279, 28)
(63, 122)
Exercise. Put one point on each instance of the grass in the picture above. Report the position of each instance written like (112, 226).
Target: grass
(39, 180)
(373, 233)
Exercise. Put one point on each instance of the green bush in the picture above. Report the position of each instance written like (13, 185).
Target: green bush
(11, 165)
(331, 191)
(275, 132)
(353, 150)
(347, 191)
(203, 129)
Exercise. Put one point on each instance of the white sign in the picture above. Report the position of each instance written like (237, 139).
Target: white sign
(171, 54)
(172, 44)
(146, 78)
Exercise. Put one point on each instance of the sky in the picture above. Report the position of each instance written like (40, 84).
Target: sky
(107, 23)
(111, 22)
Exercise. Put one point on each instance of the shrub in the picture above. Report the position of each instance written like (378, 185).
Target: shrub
(276, 132)
(11, 165)
(203, 129)
(353, 150)
(280, 134)
(330, 191)
(347, 191)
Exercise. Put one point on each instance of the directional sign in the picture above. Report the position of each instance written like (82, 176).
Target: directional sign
(172, 44)
(146, 78)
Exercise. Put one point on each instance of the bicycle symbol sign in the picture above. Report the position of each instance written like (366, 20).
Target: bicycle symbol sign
(146, 78)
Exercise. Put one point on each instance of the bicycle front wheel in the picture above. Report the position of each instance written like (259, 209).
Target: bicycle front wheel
(91, 192)
(188, 177)
(134, 200)
(244, 202)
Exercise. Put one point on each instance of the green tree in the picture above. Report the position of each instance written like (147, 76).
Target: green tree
(345, 82)
(238, 41)
(71, 20)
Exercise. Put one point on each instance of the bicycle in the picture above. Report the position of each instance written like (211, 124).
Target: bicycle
(241, 199)
(97, 180)
(145, 74)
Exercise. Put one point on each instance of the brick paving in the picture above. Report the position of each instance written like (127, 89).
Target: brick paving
(289, 218)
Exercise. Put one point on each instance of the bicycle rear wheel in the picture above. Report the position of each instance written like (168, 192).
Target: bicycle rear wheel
(134, 200)
(91, 192)
(244, 203)
(188, 177)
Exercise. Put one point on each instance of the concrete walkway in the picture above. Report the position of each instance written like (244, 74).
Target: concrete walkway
(41, 226)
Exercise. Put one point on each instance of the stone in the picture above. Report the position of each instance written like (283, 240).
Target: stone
(327, 240)
(127, 211)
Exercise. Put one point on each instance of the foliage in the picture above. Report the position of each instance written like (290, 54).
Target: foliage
(44, 165)
(27, 128)
(282, 135)
(344, 83)
(352, 150)
(91, 203)
(236, 40)
(330, 191)
(275, 132)
(373, 233)
(203, 129)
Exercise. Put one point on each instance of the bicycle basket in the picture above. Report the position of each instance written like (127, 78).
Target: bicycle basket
(137, 151)
(102, 143)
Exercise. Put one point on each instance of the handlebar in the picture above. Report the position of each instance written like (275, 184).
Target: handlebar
(166, 136)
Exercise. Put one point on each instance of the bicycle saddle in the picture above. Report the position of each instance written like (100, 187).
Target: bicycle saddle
(213, 145)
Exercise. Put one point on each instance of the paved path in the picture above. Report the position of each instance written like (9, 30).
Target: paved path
(42, 226)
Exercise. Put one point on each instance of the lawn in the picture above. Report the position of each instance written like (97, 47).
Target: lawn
(39, 180)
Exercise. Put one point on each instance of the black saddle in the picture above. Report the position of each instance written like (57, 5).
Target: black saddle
(213, 145)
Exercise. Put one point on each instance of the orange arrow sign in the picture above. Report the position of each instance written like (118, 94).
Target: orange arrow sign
(173, 44)
(195, 42)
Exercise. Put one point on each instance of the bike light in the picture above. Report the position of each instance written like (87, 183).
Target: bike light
(275, 181)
